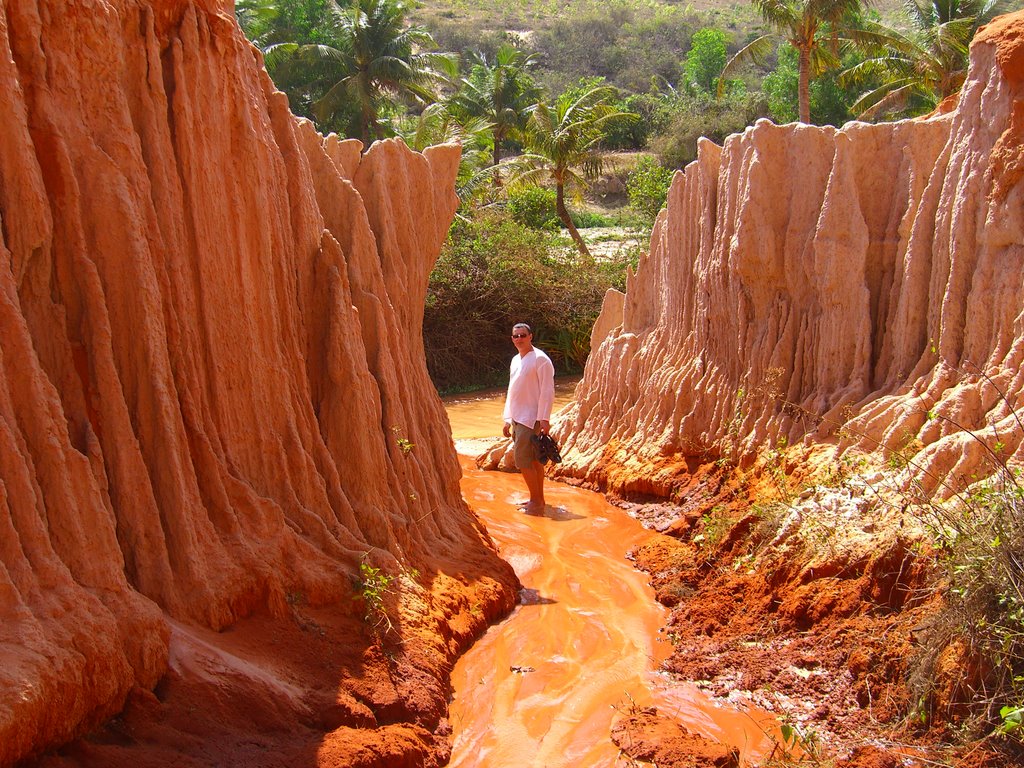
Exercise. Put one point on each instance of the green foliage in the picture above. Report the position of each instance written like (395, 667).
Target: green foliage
(405, 445)
(795, 746)
(626, 43)
(780, 86)
(533, 207)
(347, 66)
(705, 60)
(494, 272)
(981, 535)
(501, 91)
(590, 219)
(648, 187)
(374, 586)
(704, 116)
(714, 526)
(654, 110)
(917, 64)
(461, 34)
(1012, 721)
(813, 28)
(267, 22)
(563, 139)
(984, 559)
(829, 100)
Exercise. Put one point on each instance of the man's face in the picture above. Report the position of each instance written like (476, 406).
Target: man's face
(521, 338)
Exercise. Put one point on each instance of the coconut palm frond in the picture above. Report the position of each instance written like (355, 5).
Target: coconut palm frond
(888, 99)
(822, 60)
(274, 56)
(757, 51)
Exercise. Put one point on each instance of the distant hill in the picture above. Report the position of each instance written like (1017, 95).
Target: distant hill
(628, 42)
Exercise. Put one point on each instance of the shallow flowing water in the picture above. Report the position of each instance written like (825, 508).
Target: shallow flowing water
(543, 687)
(478, 414)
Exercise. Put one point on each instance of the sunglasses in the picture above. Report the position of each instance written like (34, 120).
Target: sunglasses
(520, 335)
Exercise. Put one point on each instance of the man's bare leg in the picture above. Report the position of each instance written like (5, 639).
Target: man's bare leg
(534, 477)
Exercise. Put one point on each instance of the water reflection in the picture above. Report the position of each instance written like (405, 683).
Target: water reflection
(477, 415)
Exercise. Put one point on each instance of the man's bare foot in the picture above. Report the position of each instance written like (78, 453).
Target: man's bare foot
(534, 508)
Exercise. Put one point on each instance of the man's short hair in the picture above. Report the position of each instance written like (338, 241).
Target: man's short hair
(529, 330)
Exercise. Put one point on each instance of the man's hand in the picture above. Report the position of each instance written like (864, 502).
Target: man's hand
(506, 430)
(543, 427)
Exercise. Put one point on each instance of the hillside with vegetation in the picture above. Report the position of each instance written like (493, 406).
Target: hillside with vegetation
(574, 115)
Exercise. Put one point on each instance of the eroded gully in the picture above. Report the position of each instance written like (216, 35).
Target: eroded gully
(544, 687)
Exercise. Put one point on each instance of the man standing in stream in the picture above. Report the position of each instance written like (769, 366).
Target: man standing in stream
(531, 394)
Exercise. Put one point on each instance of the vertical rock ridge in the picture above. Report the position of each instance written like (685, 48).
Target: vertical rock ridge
(808, 282)
(213, 388)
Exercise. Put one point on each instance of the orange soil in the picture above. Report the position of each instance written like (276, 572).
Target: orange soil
(827, 648)
(265, 692)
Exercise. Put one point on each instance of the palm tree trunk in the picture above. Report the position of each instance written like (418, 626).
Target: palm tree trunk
(804, 88)
(563, 214)
(498, 137)
(367, 113)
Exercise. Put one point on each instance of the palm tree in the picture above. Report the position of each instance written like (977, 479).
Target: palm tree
(921, 67)
(370, 58)
(563, 141)
(501, 92)
(809, 26)
(436, 125)
(260, 20)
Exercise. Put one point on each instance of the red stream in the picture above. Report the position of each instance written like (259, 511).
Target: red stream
(543, 687)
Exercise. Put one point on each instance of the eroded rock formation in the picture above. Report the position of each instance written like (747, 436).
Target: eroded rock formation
(213, 400)
(857, 286)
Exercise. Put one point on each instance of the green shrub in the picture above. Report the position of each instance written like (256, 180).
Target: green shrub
(702, 115)
(373, 587)
(829, 102)
(705, 60)
(648, 187)
(589, 219)
(654, 110)
(534, 207)
(627, 43)
(970, 655)
(494, 272)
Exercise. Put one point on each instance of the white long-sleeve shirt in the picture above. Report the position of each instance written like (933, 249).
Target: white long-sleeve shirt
(531, 388)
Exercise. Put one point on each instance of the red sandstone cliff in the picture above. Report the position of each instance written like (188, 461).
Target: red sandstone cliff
(213, 397)
(857, 286)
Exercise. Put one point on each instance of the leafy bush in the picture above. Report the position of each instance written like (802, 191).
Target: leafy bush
(702, 115)
(626, 43)
(373, 588)
(829, 102)
(494, 272)
(588, 219)
(648, 187)
(705, 60)
(969, 667)
(534, 207)
(982, 538)
(655, 111)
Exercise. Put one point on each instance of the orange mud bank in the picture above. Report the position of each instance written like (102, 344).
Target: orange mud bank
(816, 620)
(811, 609)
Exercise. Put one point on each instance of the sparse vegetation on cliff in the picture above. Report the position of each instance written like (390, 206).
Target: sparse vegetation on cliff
(969, 669)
